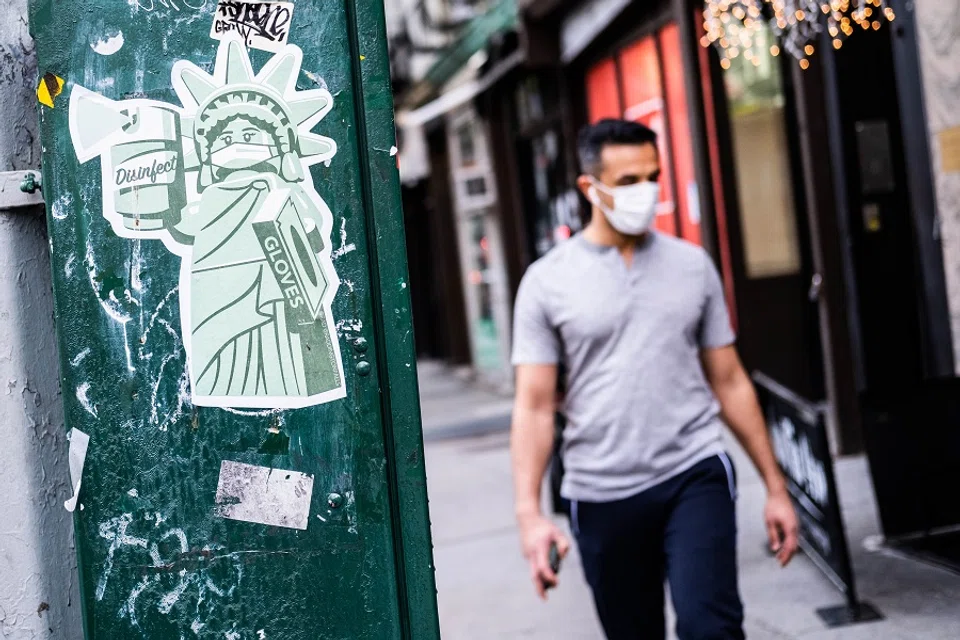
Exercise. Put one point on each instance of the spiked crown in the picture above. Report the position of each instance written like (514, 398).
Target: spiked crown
(234, 91)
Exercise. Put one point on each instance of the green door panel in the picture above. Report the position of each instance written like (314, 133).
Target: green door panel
(234, 322)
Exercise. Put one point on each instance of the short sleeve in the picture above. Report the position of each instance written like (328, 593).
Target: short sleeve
(715, 330)
(535, 339)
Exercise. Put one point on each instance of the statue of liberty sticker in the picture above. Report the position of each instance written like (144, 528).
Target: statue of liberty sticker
(224, 182)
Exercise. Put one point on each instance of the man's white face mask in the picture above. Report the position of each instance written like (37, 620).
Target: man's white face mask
(634, 206)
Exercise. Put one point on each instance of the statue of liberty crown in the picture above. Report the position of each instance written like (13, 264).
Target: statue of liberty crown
(234, 91)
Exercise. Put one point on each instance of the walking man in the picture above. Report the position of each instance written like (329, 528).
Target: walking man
(639, 321)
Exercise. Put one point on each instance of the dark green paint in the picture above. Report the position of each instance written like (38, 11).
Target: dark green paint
(394, 347)
(367, 570)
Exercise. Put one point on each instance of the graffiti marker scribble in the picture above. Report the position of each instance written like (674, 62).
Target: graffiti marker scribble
(173, 5)
(177, 574)
(262, 25)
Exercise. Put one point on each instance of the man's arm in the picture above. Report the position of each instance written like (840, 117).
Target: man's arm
(741, 411)
(531, 443)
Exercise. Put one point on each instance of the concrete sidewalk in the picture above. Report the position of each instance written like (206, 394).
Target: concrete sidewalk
(452, 407)
(483, 584)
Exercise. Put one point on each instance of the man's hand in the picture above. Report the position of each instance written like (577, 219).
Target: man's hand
(537, 533)
(781, 521)
(531, 442)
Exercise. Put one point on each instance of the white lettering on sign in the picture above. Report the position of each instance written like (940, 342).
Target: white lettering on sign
(151, 168)
(275, 497)
(795, 454)
(262, 25)
(815, 533)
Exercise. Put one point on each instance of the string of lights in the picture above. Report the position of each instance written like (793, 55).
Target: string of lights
(739, 27)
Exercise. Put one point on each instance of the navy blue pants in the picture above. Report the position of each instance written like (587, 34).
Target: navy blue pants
(682, 531)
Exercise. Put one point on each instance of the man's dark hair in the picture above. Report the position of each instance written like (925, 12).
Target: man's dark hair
(594, 137)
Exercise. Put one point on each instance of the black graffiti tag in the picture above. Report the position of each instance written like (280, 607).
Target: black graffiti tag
(267, 20)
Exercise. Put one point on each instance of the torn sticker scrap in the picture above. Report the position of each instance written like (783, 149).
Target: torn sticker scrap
(109, 45)
(263, 495)
(79, 442)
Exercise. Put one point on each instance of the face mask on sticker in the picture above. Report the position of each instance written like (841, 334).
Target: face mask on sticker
(634, 206)
(242, 155)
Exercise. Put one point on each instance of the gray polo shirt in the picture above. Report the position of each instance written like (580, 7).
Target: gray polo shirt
(638, 405)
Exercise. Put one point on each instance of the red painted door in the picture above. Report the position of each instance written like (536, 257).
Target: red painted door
(643, 102)
(603, 91)
(688, 203)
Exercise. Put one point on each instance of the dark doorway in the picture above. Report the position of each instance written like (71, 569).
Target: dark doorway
(425, 294)
(450, 328)
(877, 202)
(911, 424)
(775, 285)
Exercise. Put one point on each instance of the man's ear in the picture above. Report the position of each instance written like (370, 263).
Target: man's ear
(584, 183)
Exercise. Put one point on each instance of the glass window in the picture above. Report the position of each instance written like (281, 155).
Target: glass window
(529, 102)
(486, 343)
(476, 186)
(765, 186)
(549, 215)
(554, 221)
(468, 150)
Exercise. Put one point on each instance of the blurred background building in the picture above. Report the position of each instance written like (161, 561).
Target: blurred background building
(817, 159)
(458, 258)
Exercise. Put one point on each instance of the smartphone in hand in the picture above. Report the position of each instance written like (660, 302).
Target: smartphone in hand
(554, 564)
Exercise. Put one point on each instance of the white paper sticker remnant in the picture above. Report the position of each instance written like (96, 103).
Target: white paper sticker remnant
(78, 455)
(109, 45)
(262, 25)
(264, 495)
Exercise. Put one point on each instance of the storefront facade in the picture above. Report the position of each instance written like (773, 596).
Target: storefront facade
(812, 187)
(482, 265)
(823, 193)
(459, 264)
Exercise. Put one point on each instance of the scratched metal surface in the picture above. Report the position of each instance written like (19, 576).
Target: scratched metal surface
(155, 561)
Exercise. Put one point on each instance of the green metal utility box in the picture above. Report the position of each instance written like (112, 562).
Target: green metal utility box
(234, 324)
